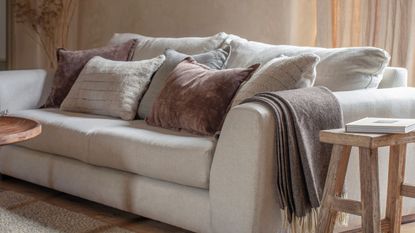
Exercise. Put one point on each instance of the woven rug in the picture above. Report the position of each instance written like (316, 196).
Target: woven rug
(20, 214)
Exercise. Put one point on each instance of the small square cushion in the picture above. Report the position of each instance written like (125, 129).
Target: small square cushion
(111, 88)
(283, 73)
(70, 64)
(196, 98)
(214, 59)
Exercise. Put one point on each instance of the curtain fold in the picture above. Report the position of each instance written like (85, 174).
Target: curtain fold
(387, 24)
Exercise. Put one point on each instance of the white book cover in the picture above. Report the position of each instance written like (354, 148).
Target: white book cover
(381, 125)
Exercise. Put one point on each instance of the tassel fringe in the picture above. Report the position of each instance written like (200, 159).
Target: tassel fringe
(342, 218)
(308, 223)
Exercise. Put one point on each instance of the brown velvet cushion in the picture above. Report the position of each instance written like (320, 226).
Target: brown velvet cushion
(196, 98)
(70, 64)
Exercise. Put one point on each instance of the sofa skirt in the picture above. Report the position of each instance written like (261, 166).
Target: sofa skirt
(178, 205)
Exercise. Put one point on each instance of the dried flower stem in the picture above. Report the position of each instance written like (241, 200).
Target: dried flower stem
(49, 20)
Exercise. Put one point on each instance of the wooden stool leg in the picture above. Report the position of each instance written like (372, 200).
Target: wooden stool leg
(395, 180)
(369, 185)
(334, 184)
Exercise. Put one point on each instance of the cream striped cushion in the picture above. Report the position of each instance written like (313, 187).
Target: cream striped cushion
(111, 88)
(282, 73)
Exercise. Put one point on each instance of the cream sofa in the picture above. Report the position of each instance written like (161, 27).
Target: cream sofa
(198, 183)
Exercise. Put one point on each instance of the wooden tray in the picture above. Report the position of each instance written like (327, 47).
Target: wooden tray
(17, 129)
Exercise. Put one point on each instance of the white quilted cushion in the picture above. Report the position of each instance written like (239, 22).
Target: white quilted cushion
(130, 146)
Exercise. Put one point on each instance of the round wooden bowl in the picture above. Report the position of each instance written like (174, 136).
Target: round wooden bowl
(17, 129)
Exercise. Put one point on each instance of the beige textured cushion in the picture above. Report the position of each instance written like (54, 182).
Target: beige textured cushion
(279, 74)
(150, 47)
(111, 88)
(339, 69)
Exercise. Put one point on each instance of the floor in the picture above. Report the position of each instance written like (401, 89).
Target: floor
(99, 212)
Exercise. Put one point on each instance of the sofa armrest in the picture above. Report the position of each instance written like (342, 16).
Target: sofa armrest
(389, 102)
(242, 179)
(242, 182)
(23, 89)
(394, 77)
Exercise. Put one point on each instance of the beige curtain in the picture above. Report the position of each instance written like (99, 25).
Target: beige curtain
(387, 24)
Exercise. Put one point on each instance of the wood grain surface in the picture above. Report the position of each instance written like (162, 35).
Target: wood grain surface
(341, 137)
(17, 129)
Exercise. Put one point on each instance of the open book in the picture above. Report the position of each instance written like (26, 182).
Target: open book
(381, 125)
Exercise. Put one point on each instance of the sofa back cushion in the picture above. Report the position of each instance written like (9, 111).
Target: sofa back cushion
(70, 64)
(214, 59)
(111, 88)
(197, 98)
(340, 69)
(150, 47)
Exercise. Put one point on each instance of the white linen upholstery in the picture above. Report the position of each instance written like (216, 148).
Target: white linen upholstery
(174, 204)
(125, 145)
(241, 185)
(35, 84)
(394, 77)
(149, 47)
(65, 133)
(242, 177)
(340, 69)
(241, 191)
(389, 102)
(178, 157)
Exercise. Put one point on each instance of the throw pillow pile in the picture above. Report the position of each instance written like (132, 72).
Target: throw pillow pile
(71, 63)
(175, 83)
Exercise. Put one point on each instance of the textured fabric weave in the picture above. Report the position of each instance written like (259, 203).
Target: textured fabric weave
(280, 74)
(111, 88)
(71, 63)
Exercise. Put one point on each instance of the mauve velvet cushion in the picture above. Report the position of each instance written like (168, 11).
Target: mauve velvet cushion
(214, 59)
(71, 63)
(196, 98)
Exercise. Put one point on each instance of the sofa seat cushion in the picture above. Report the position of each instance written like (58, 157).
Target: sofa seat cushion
(65, 133)
(130, 146)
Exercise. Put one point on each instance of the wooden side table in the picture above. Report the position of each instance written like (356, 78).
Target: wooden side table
(368, 208)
